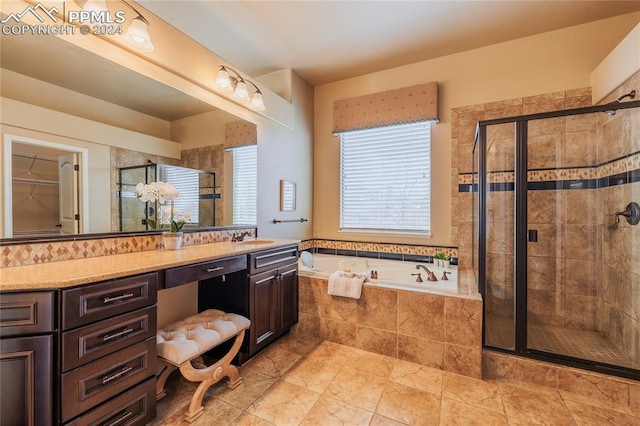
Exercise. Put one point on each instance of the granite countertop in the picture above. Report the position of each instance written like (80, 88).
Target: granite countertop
(70, 273)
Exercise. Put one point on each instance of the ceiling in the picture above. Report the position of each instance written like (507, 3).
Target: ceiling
(326, 41)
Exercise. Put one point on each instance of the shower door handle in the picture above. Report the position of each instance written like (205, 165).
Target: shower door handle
(532, 235)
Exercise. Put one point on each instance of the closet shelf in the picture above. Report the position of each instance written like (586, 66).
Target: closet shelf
(31, 181)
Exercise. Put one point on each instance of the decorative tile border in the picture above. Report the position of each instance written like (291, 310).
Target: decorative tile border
(56, 251)
(617, 172)
(409, 252)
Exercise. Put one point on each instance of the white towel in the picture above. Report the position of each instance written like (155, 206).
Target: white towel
(341, 285)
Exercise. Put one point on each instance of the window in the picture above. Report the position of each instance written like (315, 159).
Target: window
(187, 183)
(385, 179)
(245, 185)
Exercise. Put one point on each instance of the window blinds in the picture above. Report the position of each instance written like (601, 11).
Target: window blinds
(187, 181)
(245, 185)
(386, 179)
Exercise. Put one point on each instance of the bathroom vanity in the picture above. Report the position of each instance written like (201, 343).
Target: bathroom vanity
(78, 337)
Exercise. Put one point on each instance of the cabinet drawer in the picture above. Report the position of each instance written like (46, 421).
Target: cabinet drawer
(269, 259)
(136, 406)
(94, 383)
(26, 313)
(93, 341)
(91, 303)
(201, 271)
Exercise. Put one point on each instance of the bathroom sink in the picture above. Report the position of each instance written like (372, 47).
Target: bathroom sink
(256, 241)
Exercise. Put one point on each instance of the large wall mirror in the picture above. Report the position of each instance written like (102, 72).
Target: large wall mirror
(78, 89)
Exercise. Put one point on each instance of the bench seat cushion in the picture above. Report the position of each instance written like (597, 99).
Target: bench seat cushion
(184, 340)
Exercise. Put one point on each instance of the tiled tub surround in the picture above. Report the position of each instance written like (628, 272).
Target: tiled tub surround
(442, 331)
(33, 253)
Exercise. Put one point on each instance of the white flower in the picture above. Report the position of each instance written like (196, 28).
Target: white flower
(163, 192)
(160, 191)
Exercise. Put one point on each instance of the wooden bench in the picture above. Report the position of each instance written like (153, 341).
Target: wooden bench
(181, 346)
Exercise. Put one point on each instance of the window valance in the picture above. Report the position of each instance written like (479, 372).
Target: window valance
(398, 106)
(240, 133)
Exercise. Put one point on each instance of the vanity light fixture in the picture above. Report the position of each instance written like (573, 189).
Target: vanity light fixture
(137, 36)
(138, 33)
(238, 86)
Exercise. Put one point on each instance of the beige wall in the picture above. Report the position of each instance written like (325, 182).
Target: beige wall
(550, 62)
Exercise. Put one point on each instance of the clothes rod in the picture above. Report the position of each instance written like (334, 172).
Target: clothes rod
(292, 220)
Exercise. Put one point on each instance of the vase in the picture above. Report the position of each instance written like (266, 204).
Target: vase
(172, 240)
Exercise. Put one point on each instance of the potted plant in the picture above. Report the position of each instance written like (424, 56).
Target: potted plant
(441, 260)
(163, 193)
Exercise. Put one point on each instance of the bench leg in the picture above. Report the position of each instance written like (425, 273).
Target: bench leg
(211, 375)
(162, 378)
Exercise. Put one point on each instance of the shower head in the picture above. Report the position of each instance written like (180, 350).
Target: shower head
(630, 95)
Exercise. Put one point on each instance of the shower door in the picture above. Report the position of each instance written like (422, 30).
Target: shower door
(497, 240)
(557, 260)
(578, 280)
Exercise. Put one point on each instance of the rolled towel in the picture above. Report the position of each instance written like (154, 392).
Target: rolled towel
(346, 286)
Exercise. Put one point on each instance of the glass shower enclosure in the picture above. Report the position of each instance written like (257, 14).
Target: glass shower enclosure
(557, 249)
(198, 193)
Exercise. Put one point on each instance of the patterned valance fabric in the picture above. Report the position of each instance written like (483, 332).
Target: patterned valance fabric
(405, 105)
(240, 133)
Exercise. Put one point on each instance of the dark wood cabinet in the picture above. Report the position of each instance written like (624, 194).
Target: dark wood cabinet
(26, 387)
(107, 350)
(26, 358)
(268, 296)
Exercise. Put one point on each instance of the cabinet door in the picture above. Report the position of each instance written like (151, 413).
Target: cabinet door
(264, 303)
(288, 281)
(26, 386)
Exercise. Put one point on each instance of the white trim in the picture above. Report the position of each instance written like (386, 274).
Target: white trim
(8, 172)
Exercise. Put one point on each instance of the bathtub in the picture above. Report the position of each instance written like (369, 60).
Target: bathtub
(391, 273)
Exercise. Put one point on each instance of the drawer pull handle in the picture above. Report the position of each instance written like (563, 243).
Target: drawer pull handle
(107, 379)
(216, 269)
(121, 333)
(117, 298)
(124, 416)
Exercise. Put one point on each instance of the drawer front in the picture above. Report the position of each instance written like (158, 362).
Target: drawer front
(91, 303)
(26, 313)
(201, 271)
(96, 382)
(96, 340)
(269, 259)
(136, 406)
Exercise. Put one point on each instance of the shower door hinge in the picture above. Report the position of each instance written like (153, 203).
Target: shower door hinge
(77, 217)
(76, 167)
(532, 235)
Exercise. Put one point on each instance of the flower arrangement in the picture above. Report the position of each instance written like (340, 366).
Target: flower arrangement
(163, 192)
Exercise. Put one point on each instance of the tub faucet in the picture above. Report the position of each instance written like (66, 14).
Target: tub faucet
(430, 275)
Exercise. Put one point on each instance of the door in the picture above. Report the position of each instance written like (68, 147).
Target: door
(497, 239)
(26, 389)
(68, 170)
(262, 296)
(288, 280)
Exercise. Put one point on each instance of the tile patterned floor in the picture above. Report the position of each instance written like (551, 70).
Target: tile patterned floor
(302, 382)
(584, 344)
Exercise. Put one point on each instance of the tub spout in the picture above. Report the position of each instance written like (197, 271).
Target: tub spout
(430, 275)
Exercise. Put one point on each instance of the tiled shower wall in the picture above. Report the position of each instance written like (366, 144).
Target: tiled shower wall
(618, 294)
(552, 298)
(584, 271)
(207, 158)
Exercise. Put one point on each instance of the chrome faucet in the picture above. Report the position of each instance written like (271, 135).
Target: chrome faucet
(430, 275)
